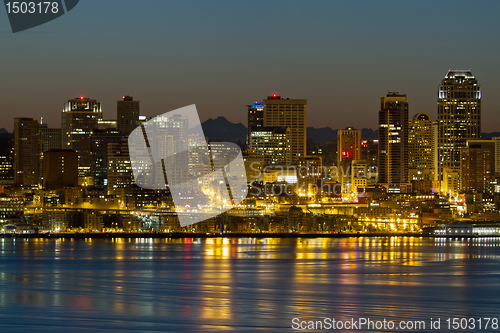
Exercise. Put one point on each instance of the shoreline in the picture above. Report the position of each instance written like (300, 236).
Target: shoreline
(225, 235)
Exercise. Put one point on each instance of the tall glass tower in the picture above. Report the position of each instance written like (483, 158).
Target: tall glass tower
(393, 143)
(459, 117)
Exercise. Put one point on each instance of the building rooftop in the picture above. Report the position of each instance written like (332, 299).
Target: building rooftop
(456, 73)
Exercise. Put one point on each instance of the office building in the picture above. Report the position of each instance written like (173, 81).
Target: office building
(459, 116)
(79, 119)
(99, 149)
(51, 138)
(6, 160)
(26, 152)
(477, 166)
(349, 144)
(127, 114)
(393, 143)
(421, 150)
(280, 112)
(60, 169)
(272, 143)
(255, 118)
(119, 173)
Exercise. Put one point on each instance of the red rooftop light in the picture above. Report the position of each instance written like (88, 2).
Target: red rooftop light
(81, 97)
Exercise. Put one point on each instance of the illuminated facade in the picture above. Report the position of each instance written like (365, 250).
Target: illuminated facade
(6, 161)
(279, 112)
(79, 119)
(272, 143)
(393, 143)
(421, 150)
(255, 118)
(119, 167)
(26, 152)
(349, 144)
(459, 116)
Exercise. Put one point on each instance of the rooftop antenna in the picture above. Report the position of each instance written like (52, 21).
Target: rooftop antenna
(41, 120)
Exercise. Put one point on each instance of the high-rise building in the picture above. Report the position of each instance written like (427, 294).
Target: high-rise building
(6, 160)
(477, 166)
(497, 156)
(459, 116)
(26, 152)
(127, 114)
(119, 173)
(60, 169)
(272, 143)
(309, 173)
(420, 148)
(51, 138)
(79, 119)
(349, 144)
(475, 170)
(393, 143)
(99, 149)
(280, 112)
(255, 118)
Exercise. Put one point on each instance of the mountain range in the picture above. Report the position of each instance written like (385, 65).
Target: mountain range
(223, 129)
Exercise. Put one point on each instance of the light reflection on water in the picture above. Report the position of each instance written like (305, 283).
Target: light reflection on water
(246, 284)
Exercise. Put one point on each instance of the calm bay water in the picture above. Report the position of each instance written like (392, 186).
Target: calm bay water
(241, 285)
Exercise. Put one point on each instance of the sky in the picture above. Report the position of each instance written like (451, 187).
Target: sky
(341, 56)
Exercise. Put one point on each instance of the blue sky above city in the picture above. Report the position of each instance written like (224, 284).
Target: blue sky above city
(223, 55)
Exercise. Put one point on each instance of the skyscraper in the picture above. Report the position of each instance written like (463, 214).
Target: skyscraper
(255, 118)
(127, 114)
(6, 160)
(288, 113)
(60, 169)
(79, 119)
(393, 143)
(26, 152)
(273, 143)
(100, 141)
(349, 144)
(477, 165)
(475, 170)
(459, 116)
(420, 148)
(51, 137)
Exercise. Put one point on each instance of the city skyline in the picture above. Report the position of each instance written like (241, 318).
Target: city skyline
(334, 61)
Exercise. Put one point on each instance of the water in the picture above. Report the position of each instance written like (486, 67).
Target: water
(241, 285)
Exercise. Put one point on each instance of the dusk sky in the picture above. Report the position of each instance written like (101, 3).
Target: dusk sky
(223, 55)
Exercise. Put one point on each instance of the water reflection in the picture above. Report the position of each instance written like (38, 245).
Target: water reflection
(235, 284)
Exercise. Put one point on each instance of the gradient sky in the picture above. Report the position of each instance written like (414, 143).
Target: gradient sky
(223, 55)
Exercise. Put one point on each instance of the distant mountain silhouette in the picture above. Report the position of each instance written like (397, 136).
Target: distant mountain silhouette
(223, 129)
(3, 131)
(487, 136)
